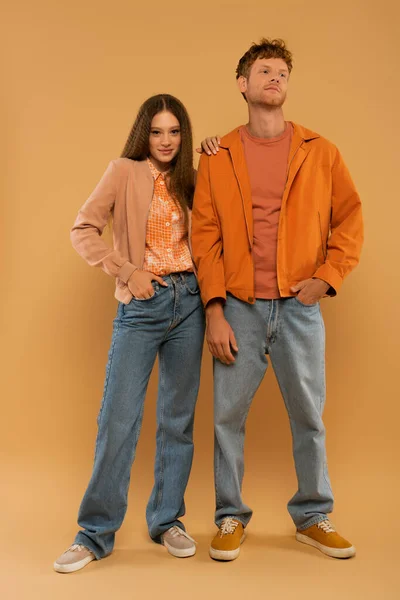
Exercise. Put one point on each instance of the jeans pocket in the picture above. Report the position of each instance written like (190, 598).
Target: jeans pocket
(156, 288)
(305, 305)
(192, 285)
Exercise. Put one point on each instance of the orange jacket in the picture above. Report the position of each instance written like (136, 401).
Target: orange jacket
(320, 230)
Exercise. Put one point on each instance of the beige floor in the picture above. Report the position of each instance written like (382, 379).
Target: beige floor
(38, 523)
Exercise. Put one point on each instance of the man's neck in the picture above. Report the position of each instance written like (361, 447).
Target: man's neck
(266, 122)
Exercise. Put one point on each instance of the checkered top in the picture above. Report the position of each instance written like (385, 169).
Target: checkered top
(167, 248)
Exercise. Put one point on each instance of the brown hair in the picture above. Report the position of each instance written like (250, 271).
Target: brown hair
(267, 48)
(181, 175)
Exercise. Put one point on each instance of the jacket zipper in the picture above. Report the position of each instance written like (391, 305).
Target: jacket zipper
(290, 164)
(284, 189)
(244, 209)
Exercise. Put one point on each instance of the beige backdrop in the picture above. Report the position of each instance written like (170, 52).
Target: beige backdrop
(74, 75)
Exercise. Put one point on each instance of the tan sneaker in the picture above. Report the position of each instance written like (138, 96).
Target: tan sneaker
(226, 544)
(73, 559)
(178, 542)
(324, 537)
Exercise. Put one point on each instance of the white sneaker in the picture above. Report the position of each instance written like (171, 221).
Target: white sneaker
(178, 542)
(73, 559)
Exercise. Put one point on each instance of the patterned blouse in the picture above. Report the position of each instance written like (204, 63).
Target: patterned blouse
(167, 248)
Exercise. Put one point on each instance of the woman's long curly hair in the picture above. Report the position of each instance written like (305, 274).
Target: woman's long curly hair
(180, 181)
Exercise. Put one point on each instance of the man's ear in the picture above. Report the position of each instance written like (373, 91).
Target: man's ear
(242, 84)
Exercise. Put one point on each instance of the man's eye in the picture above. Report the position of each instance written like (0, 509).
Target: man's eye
(283, 75)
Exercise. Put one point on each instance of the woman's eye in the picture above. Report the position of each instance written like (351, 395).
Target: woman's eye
(175, 131)
(155, 132)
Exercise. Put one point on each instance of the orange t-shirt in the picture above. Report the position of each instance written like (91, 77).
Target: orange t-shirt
(266, 160)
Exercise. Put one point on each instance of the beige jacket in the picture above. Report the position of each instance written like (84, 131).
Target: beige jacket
(125, 191)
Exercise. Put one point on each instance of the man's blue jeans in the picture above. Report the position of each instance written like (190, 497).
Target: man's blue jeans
(293, 336)
(170, 324)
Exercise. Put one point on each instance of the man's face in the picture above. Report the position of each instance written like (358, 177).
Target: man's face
(267, 82)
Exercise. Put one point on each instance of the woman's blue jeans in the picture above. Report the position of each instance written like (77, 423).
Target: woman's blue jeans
(170, 324)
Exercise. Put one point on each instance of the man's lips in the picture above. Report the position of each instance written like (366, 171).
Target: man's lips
(273, 87)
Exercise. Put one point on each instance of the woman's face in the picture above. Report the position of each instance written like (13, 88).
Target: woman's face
(165, 139)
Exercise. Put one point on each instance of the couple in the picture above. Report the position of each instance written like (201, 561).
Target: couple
(273, 224)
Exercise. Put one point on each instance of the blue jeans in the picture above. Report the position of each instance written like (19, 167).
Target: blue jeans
(170, 324)
(293, 336)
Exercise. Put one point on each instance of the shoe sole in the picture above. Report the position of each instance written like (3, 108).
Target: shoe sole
(333, 552)
(71, 568)
(226, 554)
(180, 552)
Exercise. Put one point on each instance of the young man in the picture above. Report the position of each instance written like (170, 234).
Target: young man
(276, 226)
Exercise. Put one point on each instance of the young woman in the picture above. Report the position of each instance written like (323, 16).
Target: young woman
(148, 193)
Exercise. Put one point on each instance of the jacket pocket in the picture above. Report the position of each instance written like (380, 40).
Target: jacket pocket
(323, 242)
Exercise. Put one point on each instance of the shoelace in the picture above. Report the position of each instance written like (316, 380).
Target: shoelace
(326, 526)
(76, 547)
(228, 526)
(177, 531)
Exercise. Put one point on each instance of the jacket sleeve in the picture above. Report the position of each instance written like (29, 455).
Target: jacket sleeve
(89, 225)
(206, 238)
(346, 236)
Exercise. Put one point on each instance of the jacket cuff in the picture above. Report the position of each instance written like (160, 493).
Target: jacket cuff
(126, 271)
(213, 291)
(331, 276)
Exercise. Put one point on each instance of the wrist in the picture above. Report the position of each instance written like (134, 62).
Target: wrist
(135, 270)
(215, 307)
(322, 281)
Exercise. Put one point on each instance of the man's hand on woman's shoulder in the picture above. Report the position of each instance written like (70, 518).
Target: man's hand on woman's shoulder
(210, 145)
